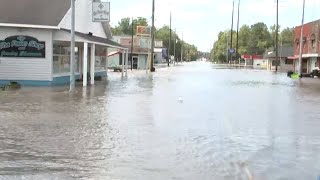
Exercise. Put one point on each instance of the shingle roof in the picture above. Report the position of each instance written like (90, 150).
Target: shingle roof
(96, 39)
(284, 51)
(33, 12)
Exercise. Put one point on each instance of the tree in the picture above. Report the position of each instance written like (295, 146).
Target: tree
(124, 27)
(244, 33)
(254, 39)
(287, 36)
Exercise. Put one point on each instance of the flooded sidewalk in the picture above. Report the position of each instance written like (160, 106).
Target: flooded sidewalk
(192, 121)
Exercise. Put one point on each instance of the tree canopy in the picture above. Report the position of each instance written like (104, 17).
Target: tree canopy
(190, 51)
(124, 26)
(254, 39)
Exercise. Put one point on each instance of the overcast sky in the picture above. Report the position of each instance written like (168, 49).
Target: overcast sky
(202, 20)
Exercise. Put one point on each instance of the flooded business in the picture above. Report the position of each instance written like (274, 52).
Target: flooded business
(192, 121)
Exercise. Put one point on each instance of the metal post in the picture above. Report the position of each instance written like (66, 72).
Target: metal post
(174, 48)
(72, 47)
(122, 63)
(237, 45)
(85, 64)
(131, 44)
(107, 65)
(277, 30)
(227, 54)
(301, 42)
(127, 59)
(152, 69)
(92, 63)
(169, 54)
(182, 48)
(231, 30)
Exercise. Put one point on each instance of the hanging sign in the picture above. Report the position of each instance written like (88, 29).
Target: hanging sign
(143, 30)
(22, 46)
(101, 11)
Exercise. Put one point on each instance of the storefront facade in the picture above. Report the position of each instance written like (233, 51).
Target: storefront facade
(310, 49)
(40, 54)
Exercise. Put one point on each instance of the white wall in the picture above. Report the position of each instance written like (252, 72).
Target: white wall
(313, 63)
(84, 22)
(27, 68)
(142, 61)
(260, 63)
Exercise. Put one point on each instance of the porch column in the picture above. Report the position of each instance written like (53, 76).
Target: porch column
(80, 61)
(127, 57)
(92, 63)
(85, 64)
(123, 54)
(106, 65)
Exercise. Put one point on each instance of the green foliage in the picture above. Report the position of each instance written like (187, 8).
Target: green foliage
(124, 27)
(190, 52)
(254, 39)
(287, 36)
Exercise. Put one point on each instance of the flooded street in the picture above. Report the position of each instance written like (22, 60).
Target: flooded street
(193, 121)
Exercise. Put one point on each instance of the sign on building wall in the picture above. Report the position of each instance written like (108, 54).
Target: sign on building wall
(101, 11)
(22, 46)
(143, 30)
(127, 41)
(158, 43)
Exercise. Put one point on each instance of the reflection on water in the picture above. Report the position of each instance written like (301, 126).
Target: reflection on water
(230, 121)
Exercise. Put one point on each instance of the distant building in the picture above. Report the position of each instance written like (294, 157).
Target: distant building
(141, 51)
(256, 61)
(284, 55)
(311, 46)
(140, 54)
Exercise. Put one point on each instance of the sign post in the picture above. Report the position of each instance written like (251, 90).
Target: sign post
(72, 47)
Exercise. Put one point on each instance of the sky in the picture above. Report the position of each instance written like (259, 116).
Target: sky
(200, 21)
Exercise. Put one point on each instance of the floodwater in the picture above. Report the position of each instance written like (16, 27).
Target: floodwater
(193, 121)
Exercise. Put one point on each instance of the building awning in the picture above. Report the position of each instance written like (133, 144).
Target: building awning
(113, 53)
(304, 56)
(97, 40)
(293, 57)
(310, 55)
(158, 50)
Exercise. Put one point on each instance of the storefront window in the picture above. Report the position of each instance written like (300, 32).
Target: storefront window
(100, 63)
(61, 59)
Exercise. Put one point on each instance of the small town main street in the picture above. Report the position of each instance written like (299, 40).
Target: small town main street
(192, 121)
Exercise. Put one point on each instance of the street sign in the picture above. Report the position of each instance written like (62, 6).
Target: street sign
(101, 11)
(158, 43)
(232, 50)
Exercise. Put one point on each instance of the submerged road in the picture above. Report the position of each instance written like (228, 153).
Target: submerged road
(193, 121)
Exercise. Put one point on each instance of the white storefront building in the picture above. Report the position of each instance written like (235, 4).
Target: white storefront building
(35, 42)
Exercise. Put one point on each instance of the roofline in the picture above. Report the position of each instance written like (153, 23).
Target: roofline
(108, 45)
(28, 26)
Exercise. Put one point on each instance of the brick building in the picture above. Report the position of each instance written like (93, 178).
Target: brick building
(311, 46)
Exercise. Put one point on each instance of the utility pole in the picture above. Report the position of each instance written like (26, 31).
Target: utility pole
(277, 30)
(174, 48)
(231, 30)
(72, 47)
(182, 48)
(169, 43)
(131, 54)
(152, 69)
(301, 42)
(227, 54)
(237, 45)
